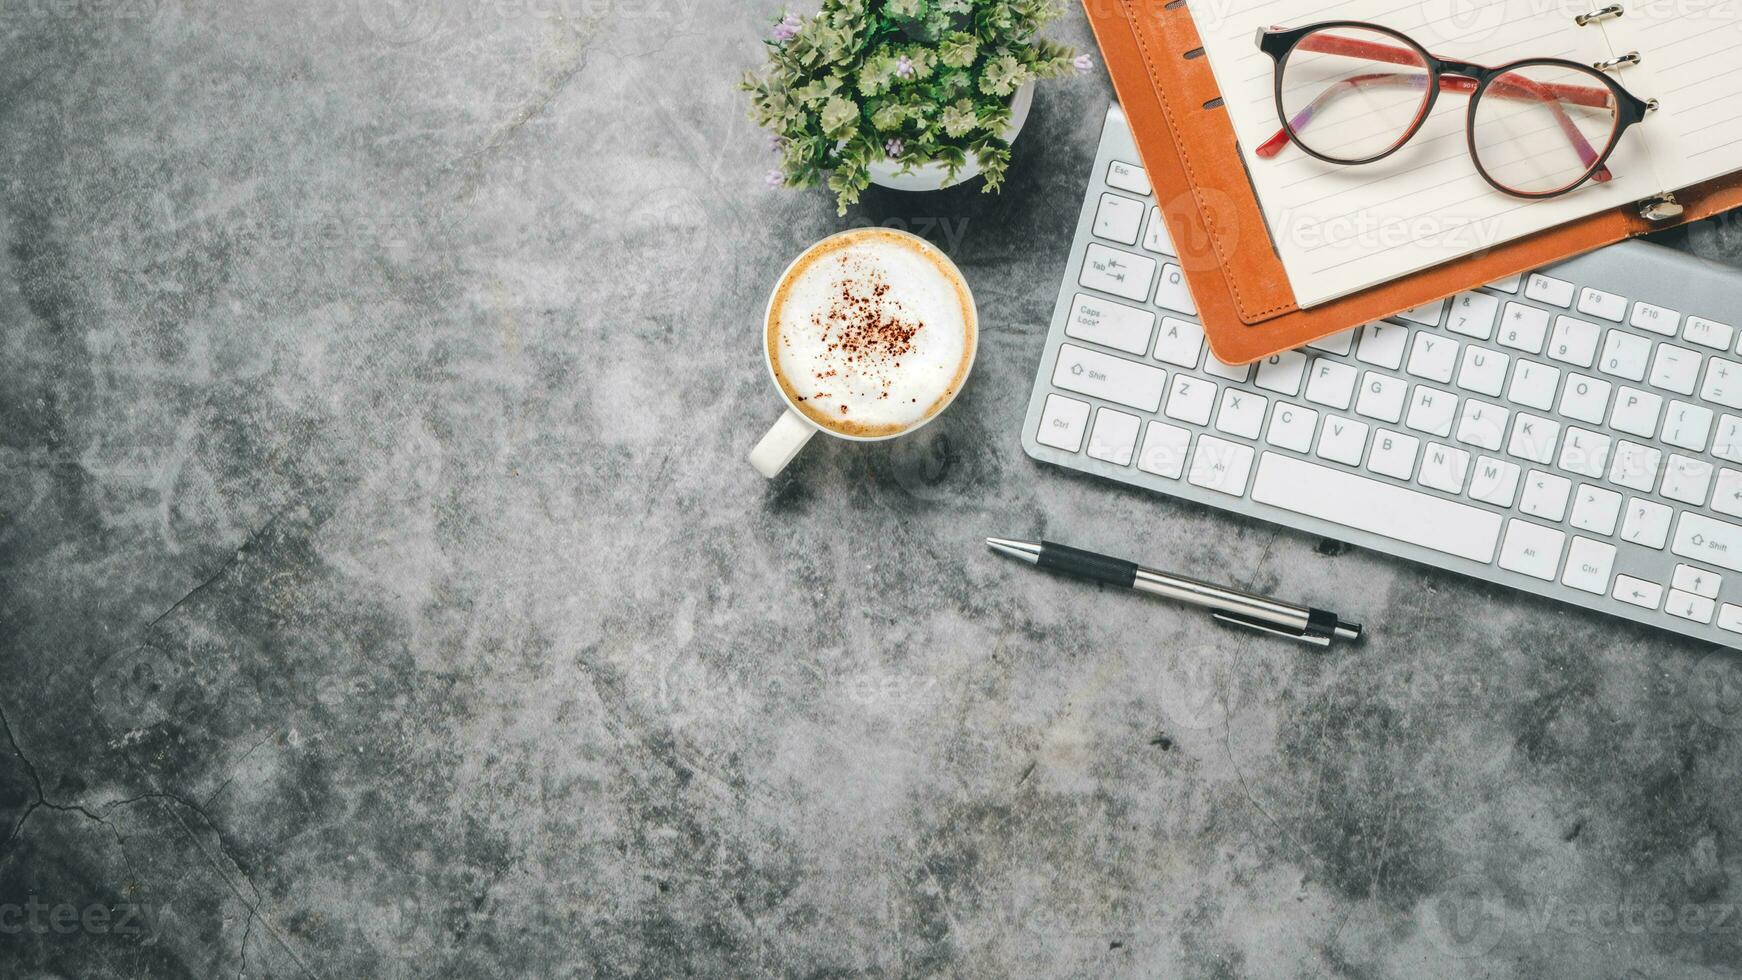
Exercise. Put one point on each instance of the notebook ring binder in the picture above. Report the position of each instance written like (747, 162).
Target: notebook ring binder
(1613, 10)
(1630, 58)
(1663, 207)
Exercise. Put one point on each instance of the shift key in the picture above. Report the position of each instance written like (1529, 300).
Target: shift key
(1109, 378)
(1116, 272)
(1704, 539)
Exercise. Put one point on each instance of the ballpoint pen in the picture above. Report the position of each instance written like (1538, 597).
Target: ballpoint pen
(1297, 622)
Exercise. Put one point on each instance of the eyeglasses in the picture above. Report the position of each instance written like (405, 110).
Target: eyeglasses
(1349, 92)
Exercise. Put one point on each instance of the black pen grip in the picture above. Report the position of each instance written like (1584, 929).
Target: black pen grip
(1086, 564)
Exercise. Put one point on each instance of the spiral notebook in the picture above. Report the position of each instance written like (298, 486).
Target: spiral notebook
(1340, 229)
(1681, 164)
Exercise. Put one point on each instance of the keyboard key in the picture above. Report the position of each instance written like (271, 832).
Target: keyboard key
(1444, 468)
(1120, 273)
(1712, 541)
(1192, 400)
(1062, 423)
(1546, 289)
(1338, 343)
(1482, 424)
(1342, 440)
(1730, 617)
(1242, 413)
(1508, 284)
(1708, 333)
(1596, 509)
(1534, 384)
(1155, 236)
(1473, 315)
(1384, 509)
(1172, 293)
(1427, 314)
(1393, 454)
(1637, 591)
(1531, 549)
(1625, 355)
(1692, 578)
(1585, 453)
(1432, 411)
(1164, 450)
(1128, 177)
(1220, 465)
(1727, 495)
(1113, 437)
(1585, 398)
(1433, 357)
(1689, 606)
(1534, 438)
(1109, 378)
(1588, 565)
(1282, 372)
(1292, 427)
(1728, 444)
(1636, 412)
(1118, 219)
(1381, 345)
(1545, 496)
(1686, 426)
(1237, 373)
(1330, 383)
(1102, 321)
(1646, 523)
(1574, 341)
(1634, 466)
(1382, 397)
(1655, 319)
(1675, 368)
(1723, 383)
(1523, 327)
(1686, 480)
(1495, 481)
(1484, 370)
(1181, 342)
(1600, 304)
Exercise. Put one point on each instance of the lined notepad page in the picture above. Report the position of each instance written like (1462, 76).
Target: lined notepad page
(1339, 229)
(1691, 62)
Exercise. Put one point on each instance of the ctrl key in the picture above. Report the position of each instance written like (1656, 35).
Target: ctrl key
(1062, 423)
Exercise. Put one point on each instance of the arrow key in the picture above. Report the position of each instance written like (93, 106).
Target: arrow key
(1637, 591)
(1699, 581)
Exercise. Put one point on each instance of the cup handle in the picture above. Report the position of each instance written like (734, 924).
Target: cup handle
(791, 431)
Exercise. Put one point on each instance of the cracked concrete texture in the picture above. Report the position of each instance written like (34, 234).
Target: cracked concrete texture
(385, 592)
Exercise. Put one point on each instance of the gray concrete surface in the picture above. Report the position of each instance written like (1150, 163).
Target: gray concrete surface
(384, 593)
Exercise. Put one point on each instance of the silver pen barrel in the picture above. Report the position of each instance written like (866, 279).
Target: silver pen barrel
(1244, 607)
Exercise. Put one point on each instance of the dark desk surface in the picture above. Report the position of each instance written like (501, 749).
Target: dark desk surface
(385, 592)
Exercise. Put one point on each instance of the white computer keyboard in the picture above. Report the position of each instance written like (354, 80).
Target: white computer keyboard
(1575, 432)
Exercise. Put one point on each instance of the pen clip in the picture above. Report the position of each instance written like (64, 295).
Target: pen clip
(1315, 638)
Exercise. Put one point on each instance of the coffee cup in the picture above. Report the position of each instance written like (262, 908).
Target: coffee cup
(868, 335)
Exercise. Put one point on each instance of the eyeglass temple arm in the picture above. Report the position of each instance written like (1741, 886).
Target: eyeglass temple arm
(1506, 87)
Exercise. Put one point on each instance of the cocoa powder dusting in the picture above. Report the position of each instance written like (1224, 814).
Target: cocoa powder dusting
(865, 331)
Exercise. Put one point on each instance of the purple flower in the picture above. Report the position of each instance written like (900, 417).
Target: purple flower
(788, 27)
(1084, 64)
(775, 142)
(894, 148)
(775, 178)
(904, 66)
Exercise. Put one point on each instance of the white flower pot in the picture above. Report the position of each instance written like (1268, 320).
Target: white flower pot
(932, 176)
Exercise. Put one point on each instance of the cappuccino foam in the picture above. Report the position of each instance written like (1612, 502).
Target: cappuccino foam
(871, 333)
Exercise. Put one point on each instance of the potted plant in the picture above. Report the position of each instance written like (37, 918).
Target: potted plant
(914, 94)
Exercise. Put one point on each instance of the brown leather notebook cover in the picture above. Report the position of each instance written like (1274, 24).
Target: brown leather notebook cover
(1248, 309)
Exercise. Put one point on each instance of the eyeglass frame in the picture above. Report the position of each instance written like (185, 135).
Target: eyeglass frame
(1280, 42)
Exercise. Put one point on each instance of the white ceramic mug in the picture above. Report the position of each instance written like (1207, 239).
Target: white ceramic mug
(794, 429)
